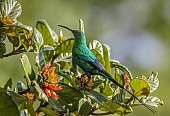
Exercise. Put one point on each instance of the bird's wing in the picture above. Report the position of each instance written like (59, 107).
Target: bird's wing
(87, 56)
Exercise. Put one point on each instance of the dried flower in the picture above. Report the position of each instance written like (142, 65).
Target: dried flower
(7, 20)
(84, 81)
(126, 80)
(29, 95)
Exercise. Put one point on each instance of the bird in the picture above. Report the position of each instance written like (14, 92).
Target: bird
(87, 61)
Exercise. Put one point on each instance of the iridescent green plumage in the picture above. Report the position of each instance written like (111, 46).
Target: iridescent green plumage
(87, 61)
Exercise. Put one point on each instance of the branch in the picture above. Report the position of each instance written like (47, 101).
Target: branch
(15, 52)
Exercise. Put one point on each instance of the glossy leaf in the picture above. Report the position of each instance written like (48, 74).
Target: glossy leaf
(64, 57)
(64, 47)
(28, 70)
(19, 87)
(48, 112)
(30, 108)
(97, 83)
(8, 106)
(99, 96)
(48, 52)
(11, 8)
(2, 49)
(18, 31)
(85, 109)
(74, 96)
(70, 80)
(116, 107)
(98, 56)
(122, 68)
(2, 38)
(97, 46)
(55, 104)
(140, 87)
(150, 100)
(14, 40)
(118, 77)
(106, 57)
(37, 40)
(40, 59)
(41, 94)
(81, 25)
(123, 109)
(107, 91)
(19, 99)
(49, 36)
(153, 81)
(8, 84)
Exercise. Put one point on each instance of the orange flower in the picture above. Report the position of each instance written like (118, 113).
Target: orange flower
(49, 73)
(49, 89)
(50, 84)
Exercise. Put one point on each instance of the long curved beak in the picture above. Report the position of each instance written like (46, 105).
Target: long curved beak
(65, 27)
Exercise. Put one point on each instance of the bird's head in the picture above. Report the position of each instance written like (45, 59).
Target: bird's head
(77, 33)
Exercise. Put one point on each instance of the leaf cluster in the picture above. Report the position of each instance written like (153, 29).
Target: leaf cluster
(98, 97)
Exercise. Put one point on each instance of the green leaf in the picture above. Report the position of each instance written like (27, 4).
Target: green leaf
(97, 83)
(8, 84)
(11, 8)
(63, 57)
(140, 87)
(7, 105)
(19, 87)
(74, 96)
(41, 94)
(48, 112)
(153, 81)
(48, 52)
(19, 99)
(30, 108)
(106, 57)
(99, 96)
(122, 68)
(68, 77)
(64, 47)
(85, 109)
(150, 100)
(107, 91)
(40, 59)
(2, 49)
(116, 107)
(117, 77)
(123, 109)
(98, 55)
(2, 38)
(81, 25)
(14, 40)
(49, 36)
(18, 31)
(37, 40)
(28, 70)
(97, 46)
(55, 104)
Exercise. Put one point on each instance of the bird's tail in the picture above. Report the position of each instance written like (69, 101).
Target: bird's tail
(118, 84)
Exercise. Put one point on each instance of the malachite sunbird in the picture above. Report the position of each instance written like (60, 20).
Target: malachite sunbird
(87, 61)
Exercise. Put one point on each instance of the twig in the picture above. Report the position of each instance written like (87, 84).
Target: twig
(15, 52)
